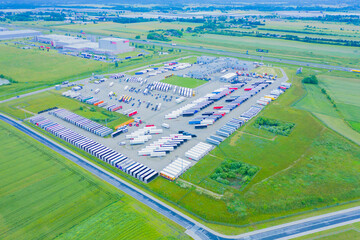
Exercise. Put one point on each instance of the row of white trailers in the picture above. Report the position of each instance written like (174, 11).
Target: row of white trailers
(105, 154)
(199, 151)
(183, 91)
(164, 145)
(143, 135)
(175, 169)
(82, 122)
(71, 93)
(165, 87)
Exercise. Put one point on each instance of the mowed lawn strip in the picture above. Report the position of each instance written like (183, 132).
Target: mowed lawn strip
(41, 68)
(184, 81)
(24, 107)
(60, 200)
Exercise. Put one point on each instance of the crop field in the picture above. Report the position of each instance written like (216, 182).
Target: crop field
(184, 81)
(342, 88)
(316, 102)
(27, 106)
(49, 197)
(129, 30)
(41, 68)
(305, 28)
(332, 28)
(344, 91)
(310, 52)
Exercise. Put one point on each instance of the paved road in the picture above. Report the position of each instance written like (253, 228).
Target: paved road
(194, 228)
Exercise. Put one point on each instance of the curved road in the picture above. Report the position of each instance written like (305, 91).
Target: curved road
(194, 228)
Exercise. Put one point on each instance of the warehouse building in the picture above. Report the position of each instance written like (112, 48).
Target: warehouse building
(75, 44)
(115, 45)
(60, 41)
(3, 29)
(211, 65)
(6, 35)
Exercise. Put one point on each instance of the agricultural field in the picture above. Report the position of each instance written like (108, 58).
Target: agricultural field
(130, 30)
(342, 114)
(306, 28)
(52, 198)
(41, 68)
(313, 28)
(184, 81)
(28, 106)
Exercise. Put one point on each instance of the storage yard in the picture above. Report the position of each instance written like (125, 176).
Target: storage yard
(170, 124)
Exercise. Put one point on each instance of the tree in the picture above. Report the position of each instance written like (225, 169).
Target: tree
(137, 37)
(116, 64)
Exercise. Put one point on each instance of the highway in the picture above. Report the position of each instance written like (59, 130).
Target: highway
(194, 228)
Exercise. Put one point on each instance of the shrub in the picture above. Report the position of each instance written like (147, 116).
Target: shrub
(274, 126)
(234, 173)
(311, 80)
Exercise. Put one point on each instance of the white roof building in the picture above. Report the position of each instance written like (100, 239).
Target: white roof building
(5, 35)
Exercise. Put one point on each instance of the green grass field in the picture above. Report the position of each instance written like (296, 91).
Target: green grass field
(41, 68)
(190, 60)
(43, 195)
(184, 81)
(28, 106)
(268, 70)
(284, 49)
(125, 30)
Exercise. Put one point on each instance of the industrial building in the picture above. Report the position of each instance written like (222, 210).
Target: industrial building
(211, 65)
(228, 77)
(60, 41)
(116, 45)
(6, 35)
(3, 29)
(75, 44)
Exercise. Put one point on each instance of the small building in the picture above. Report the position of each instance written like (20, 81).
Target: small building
(228, 77)
(7, 35)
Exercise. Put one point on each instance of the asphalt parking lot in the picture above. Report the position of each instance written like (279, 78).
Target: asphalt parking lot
(149, 116)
